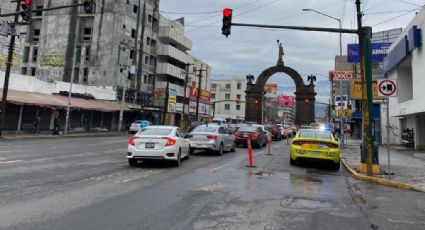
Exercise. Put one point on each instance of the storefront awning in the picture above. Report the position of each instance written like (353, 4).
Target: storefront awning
(36, 99)
(91, 104)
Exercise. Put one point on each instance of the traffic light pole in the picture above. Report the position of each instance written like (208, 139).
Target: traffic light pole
(8, 68)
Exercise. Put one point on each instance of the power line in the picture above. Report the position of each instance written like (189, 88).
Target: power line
(409, 3)
(390, 12)
(208, 12)
(390, 19)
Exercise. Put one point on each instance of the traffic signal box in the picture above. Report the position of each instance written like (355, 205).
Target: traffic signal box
(227, 21)
(26, 10)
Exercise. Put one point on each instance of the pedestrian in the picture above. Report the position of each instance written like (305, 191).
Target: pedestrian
(37, 121)
(56, 126)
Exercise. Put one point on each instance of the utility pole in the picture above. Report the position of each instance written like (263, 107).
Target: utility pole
(166, 102)
(199, 93)
(184, 94)
(8, 68)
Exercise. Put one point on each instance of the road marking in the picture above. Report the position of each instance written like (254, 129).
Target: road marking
(145, 175)
(210, 187)
(215, 169)
(10, 162)
(405, 221)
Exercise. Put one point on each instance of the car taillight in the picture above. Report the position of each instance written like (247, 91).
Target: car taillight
(131, 141)
(170, 141)
(212, 137)
(237, 133)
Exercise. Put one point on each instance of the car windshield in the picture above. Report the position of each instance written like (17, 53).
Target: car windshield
(206, 129)
(155, 131)
(317, 134)
(247, 129)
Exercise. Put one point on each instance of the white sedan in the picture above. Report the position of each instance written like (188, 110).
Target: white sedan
(158, 142)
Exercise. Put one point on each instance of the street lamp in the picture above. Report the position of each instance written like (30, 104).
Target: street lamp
(340, 54)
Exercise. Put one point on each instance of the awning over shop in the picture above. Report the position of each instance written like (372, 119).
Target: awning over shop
(31, 98)
(60, 102)
(90, 104)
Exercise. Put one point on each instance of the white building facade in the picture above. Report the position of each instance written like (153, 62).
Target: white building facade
(406, 66)
(229, 98)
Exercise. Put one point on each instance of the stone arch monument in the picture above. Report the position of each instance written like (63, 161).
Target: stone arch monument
(304, 94)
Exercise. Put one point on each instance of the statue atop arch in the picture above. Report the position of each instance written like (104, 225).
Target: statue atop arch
(281, 53)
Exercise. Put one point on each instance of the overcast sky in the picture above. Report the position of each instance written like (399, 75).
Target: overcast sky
(251, 50)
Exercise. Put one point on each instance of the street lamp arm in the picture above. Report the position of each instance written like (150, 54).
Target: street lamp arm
(338, 19)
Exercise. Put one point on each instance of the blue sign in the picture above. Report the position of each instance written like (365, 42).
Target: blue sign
(379, 52)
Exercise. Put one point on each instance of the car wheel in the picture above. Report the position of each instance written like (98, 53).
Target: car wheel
(233, 148)
(292, 162)
(132, 162)
(179, 159)
(335, 166)
(220, 150)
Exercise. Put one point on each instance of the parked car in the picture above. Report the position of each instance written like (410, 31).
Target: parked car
(158, 143)
(137, 125)
(257, 133)
(275, 132)
(212, 137)
(235, 127)
(315, 144)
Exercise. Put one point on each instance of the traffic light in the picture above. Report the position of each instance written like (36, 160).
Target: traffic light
(256, 102)
(26, 12)
(88, 6)
(227, 22)
(306, 101)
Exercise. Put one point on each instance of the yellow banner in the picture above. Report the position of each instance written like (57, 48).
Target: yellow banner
(356, 89)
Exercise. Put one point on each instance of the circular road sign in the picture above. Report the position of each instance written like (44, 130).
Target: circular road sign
(387, 87)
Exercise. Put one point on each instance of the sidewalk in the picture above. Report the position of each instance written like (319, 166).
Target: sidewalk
(7, 135)
(408, 166)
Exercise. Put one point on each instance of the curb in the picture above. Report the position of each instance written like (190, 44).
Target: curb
(385, 182)
(62, 136)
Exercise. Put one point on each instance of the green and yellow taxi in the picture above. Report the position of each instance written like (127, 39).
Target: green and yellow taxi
(316, 144)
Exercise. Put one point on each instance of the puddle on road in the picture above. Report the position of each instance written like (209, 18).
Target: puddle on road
(307, 203)
(300, 179)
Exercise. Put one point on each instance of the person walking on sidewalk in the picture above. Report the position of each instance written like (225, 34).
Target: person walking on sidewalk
(36, 128)
(56, 126)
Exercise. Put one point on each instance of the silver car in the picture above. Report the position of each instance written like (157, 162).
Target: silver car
(217, 138)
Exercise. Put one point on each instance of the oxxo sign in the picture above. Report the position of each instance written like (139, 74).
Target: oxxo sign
(387, 88)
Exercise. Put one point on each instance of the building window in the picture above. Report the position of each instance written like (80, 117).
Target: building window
(128, 2)
(227, 86)
(26, 54)
(24, 70)
(131, 54)
(152, 60)
(85, 74)
(227, 106)
(34, 54)
(87, 54)
(238, 85)
(148, 40)
(87, 34)
(135, 9)
(213, 86)
(146, 60)
(32, 71)
(153, 43)
(39, 13)
(150, 18)
(213, 95)
(238, 107)
(145, 79)
(151, 77)
(36, 35)
(227, 96)
(133, 33)
(123, 26)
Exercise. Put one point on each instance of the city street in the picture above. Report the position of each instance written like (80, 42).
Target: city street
(86, 183)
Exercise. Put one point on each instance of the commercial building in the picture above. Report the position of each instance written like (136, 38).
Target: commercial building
(406, 60)
(114, 44)
(178, 73)
(228, 98)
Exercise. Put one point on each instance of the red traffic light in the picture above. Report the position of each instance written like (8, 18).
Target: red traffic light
(227, 12)
(256, 102)
(306, 101)
(27, 2)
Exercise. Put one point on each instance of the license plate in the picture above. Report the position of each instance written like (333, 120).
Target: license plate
(315, 153)
(150, 145)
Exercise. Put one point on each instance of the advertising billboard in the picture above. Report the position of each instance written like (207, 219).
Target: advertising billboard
(379, 52)
(286, 101)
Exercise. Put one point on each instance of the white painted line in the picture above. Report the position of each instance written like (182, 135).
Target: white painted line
(215, 169)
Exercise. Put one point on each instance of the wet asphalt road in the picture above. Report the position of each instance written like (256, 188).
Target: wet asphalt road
(85, 183)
